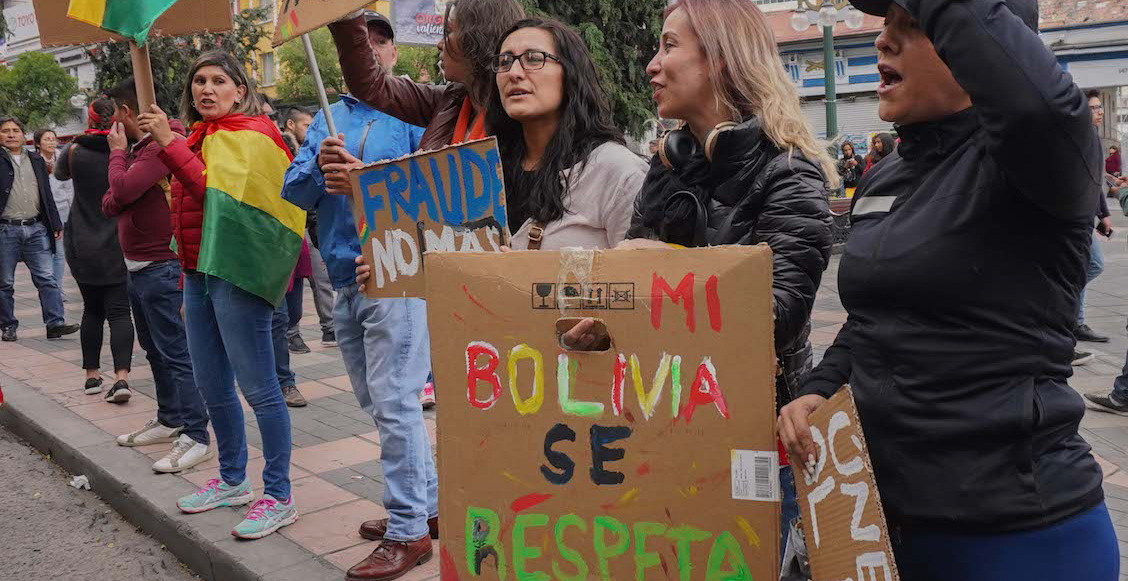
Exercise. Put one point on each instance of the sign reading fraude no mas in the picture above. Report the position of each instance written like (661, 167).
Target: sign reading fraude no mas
(843, 522)
(449, 200)
(653, 459)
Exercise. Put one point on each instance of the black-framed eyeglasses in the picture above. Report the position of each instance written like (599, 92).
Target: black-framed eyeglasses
(531, 60)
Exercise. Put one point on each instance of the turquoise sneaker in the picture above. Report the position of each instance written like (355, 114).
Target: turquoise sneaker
(215, 495)
(267, 515)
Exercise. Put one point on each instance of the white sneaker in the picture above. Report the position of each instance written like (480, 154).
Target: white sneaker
(185, 454)
(153, 432)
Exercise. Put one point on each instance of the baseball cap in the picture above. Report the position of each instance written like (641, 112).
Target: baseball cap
(1027, 10)
(373, 18)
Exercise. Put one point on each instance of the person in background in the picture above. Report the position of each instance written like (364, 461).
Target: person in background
(746, 169)
(294, 130)
(1095, 263)
(851, 165)
(881, 147)
(279, 327)
(94, 254)
(367, 330)
(1112, 162)
(138, 182)
(235, 276)
(29, 227)
(47, 145)
(961, 278)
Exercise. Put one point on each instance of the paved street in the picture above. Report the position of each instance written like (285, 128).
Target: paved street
(337, 479)
(50, 530)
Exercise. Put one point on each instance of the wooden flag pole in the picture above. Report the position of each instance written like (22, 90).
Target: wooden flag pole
(322, 98)
(143, 76)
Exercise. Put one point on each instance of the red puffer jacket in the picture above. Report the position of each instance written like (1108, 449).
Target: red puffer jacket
(187, 205)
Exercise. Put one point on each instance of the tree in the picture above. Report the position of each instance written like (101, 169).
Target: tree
(172, 57)
(296, 83)
(37, 90)
(415, 60)
(622, 37)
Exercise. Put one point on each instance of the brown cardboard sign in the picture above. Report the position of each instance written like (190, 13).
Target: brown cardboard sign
(184, 17)
(843, 522)
(449, 200)
(297, 17)
(654, 459)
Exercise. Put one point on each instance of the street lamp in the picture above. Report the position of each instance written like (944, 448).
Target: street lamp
(826, 15)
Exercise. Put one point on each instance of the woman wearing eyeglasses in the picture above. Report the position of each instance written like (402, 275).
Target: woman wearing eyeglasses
(569, 180)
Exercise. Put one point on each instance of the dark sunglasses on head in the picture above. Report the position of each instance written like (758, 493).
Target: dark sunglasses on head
(531, 60)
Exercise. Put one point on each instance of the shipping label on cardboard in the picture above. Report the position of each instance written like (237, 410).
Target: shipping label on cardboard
(297, 17)
(843, 522)
(643, 461)
(450, 200)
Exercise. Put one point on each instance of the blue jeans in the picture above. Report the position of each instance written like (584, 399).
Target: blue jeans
(1096, 267)
(1082, 547)
(156, 303)
(789, 505)
(229, 339)
(58, 267)
(387, 355)
(31, 244)
(279, 323)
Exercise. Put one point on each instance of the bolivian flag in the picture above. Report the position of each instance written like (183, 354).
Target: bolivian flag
(251, 236)
(129, 18)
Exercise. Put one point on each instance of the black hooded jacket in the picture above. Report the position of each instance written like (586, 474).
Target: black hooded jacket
(961, 280)
(751, 193)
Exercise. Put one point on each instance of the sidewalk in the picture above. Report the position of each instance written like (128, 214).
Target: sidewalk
(337, 478)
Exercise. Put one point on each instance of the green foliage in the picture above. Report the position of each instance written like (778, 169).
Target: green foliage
(37, 90)
(415, 60)
(622, 37)
(172, 57)
(296, 83)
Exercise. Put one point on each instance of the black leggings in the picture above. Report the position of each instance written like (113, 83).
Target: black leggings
(98, 304)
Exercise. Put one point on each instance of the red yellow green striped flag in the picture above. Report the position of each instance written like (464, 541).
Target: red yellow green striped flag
(251, 236)
(129, 18)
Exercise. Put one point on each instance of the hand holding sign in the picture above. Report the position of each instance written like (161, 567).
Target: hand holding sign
(843, 522)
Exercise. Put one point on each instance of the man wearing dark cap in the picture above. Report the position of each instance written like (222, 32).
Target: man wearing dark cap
(370, 331)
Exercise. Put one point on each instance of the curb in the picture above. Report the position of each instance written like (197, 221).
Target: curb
(124, 478)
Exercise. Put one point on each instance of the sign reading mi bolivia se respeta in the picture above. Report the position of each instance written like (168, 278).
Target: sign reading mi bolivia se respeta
(449, 200)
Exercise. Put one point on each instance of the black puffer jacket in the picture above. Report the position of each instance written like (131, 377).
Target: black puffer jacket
(751, 192)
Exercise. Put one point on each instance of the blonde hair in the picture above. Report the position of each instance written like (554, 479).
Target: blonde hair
(748, 77)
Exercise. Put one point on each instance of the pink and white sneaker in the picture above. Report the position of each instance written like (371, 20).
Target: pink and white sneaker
(427, 396)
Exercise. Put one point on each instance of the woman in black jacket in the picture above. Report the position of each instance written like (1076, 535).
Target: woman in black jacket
(746, 170)
(961, 280)
(94, 254)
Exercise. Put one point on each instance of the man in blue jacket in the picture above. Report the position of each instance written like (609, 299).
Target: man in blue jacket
(384, 342)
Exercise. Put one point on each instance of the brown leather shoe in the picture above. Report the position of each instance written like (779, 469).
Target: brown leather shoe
(374, 530)
(391, 560)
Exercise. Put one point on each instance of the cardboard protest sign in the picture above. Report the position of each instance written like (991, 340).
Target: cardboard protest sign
(185, 17)
(843, 522)
(448, 200)
(297, 17)
(655, 459)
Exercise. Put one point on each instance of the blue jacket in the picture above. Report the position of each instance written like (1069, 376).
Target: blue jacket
(369, 135)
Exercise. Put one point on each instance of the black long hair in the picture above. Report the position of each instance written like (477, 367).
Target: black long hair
(585, 124)
(887, 147)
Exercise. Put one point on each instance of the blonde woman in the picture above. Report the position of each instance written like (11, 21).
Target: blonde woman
(744, 169)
